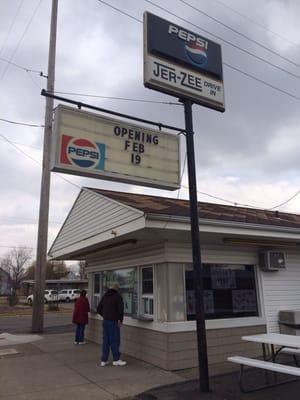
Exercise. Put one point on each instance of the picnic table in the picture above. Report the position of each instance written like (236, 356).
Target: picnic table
(284, 343)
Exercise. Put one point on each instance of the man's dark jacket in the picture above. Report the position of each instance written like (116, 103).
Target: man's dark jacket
(111, 306)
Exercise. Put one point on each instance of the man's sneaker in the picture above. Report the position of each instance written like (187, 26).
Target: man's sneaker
(119, 363)
(82, 343)
(75, 342)
(103, 363)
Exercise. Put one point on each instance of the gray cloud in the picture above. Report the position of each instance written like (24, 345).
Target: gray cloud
(248, 154)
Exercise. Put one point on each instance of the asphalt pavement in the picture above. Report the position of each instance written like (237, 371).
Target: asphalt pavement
(54, 322)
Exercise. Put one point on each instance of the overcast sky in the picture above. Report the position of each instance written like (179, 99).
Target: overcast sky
(248, 155)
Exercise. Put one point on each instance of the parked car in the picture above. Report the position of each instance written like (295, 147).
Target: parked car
(68, 295)
(49, 295)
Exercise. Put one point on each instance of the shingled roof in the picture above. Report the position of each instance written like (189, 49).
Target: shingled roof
(211, 211)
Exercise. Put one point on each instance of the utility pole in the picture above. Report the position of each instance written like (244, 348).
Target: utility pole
(42, 241)
(196, 250)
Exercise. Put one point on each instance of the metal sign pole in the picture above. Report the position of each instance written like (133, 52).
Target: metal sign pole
(197, 265)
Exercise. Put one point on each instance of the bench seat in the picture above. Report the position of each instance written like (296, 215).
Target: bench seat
(266, 365)
(290, 350)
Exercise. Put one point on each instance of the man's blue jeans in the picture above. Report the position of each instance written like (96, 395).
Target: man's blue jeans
(111, 340)
(79, 335)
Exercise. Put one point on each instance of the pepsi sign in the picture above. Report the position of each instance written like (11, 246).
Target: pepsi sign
(182, 63)
(82, 152)
(91, 145)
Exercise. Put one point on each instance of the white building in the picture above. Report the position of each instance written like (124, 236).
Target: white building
(144, 242)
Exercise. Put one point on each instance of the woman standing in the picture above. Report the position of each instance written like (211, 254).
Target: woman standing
(80, 316)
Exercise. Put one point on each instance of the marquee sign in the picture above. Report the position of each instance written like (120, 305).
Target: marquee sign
(90, 145)
(182, 63)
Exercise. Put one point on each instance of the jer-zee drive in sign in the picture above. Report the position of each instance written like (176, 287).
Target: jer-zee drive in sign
(182, 63)
(90, 145)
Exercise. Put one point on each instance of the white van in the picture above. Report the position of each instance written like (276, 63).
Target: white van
(49, 295)
(68, 295)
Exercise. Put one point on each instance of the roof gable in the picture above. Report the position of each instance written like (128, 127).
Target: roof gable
(92, 214)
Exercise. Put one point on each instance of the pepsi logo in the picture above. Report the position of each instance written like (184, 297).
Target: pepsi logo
(83, 153)
(196, 53)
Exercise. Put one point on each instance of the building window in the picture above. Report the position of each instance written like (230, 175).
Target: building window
(96, 291)
(127, 280)
(135, 286)
(147, 291)
(229, 291)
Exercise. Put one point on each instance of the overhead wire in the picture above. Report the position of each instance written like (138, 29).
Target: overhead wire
(285, 202)
(26, 219)
(12, 247)
(21, 123)
(118, 98)
(20, 40)
(128, 99)
(22, 144)
(11, 26)
(229, 66)
(239, 33)
(224, 63)
(37, 162)
(224, 40)
(23, 68)
(253, 21)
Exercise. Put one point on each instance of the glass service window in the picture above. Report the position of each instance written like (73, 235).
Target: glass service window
(96, 292)
(147, 291)
(229, 291)
(127, 281)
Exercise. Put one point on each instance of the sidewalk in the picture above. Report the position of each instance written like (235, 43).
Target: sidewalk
(55, 368)
(52, 367)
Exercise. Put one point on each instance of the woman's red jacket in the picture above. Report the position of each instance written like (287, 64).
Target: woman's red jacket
(81, 310)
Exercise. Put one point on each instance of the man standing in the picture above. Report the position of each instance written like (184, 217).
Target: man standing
(111, 308)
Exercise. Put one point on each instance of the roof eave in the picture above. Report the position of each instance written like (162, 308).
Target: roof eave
(219, 223)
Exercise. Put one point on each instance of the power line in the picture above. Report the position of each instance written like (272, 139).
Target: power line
(22, 144)
(23, 68)
(253, 21)
(13, 247)
(37, 162)
(11, 26)
(21, 123)
(225, 41)
(228, 65)
(121, 11)
(262, 81)
(238, 32)
(25, 219)
(119, 98)
(204, 193)
(185, 187)
(20, 40)
(285, 202)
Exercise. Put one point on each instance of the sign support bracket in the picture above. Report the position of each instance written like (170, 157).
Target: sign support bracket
(79, 104)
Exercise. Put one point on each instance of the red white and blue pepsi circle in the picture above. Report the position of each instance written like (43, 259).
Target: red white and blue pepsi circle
(83, 153)
(196, 54)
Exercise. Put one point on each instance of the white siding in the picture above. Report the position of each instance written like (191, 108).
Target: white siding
(91, 215)
(282, 290)
(139, 254)
(182, 252)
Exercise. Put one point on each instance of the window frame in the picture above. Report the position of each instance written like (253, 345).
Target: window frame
(146, 296)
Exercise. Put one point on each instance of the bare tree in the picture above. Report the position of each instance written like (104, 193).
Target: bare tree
(54, 270)
(14, 262)
(82, 267)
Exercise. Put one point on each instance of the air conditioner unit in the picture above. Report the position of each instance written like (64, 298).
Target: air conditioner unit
(272, 260)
